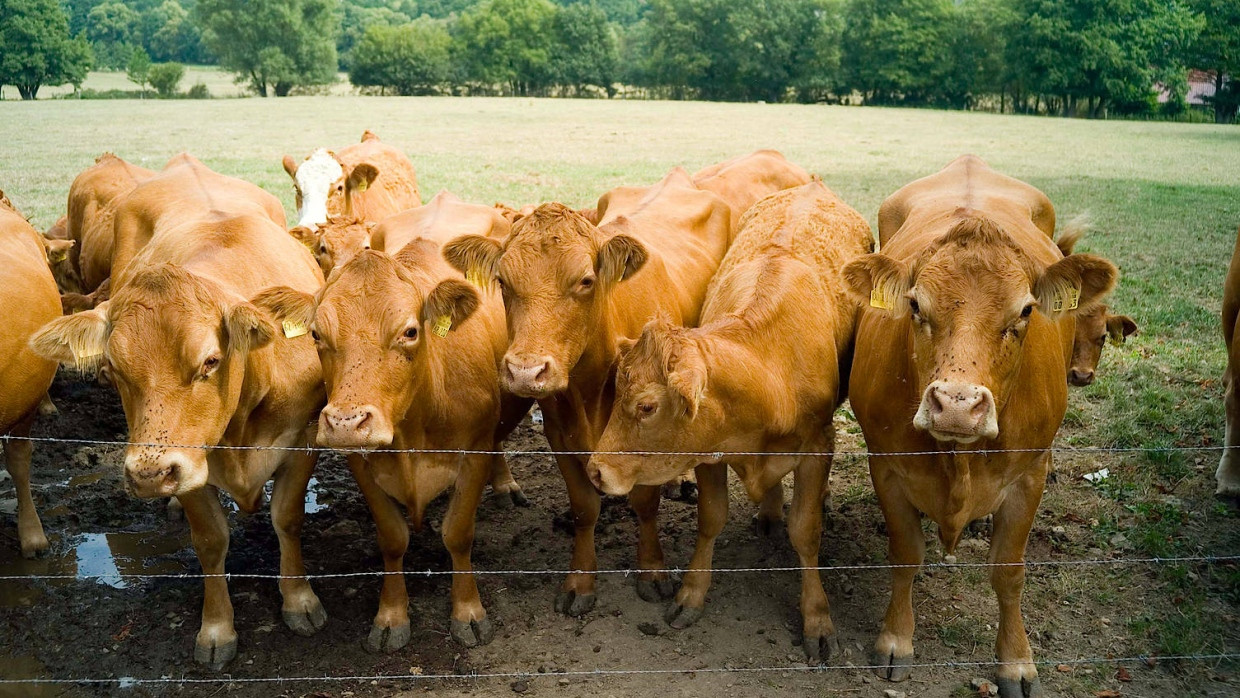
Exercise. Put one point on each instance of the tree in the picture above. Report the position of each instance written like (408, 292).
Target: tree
(507, 42)
(355, 19)
(276, 44)
(895, 50)
(166, 78)
(36, 49)
(586, 50)
(138, 69)
(411, 59)
(169, 34)
(1217, 48)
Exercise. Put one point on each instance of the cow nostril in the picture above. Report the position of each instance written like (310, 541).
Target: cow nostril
(366, 415)
(936, 402)
(542, 371)
(173, 474)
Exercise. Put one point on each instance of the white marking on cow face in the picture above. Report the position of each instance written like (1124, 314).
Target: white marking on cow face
(315, 179)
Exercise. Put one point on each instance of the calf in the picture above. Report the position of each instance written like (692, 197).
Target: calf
(571, 292)
(733, 385)
(369, 180)
(960, 360)
(336, 241)
(1093, 328)
(1228, 474)
(28, 295)
(198, 366)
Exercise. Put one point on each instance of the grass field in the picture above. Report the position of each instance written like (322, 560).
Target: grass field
(1164, 200)
(219, 82)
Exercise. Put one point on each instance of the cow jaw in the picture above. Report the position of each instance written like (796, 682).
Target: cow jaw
(316, 180)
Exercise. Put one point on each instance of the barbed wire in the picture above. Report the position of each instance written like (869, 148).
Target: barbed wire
(591, 673)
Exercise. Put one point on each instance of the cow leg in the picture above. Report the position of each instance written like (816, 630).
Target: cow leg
(894, 648)
(1018, 676)
(576, 595)
(805, 532)
(302, 610)
(216, 643)
(504, 488)
(712, 482)
(470, 625)
(653, 586)
(1228, 474)
(17, 453)
(391, 626)
(770, 516)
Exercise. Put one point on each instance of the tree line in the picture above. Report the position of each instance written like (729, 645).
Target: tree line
(1091, 58)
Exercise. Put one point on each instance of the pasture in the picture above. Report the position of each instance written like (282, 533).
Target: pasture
(1164, 201)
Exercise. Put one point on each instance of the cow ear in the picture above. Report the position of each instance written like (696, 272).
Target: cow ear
(58, 250)
(448, 305)
(361, 178)
(474, 256)
(290, 166)
(306, 236)
(247, 328)
(293, 309)
(1074, 284)
(619, 258)
(880, 281)
(77, 341)
(1119, 327)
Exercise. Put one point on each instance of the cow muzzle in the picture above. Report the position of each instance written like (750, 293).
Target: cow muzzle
(607, 479)
(1080, 377)
(355, 426)
(960, 412)
(532, 376)
(151, 473)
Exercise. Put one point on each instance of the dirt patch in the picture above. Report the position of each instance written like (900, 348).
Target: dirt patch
(112, 628)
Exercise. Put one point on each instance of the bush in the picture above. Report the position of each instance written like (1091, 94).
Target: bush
(166, 78)
(410, 59)
(198, 91)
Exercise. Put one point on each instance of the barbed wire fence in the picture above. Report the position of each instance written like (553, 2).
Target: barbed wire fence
(715, 456)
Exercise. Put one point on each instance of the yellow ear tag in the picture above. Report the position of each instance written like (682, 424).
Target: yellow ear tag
(294, 329)
(442, 325)
(881, 300)
(475, 277)
(1069, 300)
(362, 186)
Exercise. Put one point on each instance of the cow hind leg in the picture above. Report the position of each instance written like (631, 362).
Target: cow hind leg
(470, 625)
(577, 596)
(1227, 476)
(893, 649)
(653, 583)
(819, 639)
(216, 643)
(1017, 675)
(505, 491)
(712, 515)
(302, 610)
(17, 454)
(390, 630)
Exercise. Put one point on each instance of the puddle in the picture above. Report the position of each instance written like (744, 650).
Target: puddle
(25, 667)
(313, 506)
(87, 479)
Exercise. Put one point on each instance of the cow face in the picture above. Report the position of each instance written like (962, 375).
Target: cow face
(63, 271)
(970, 300)
(661, 405)
(556, 271)
(175, 347)
(324, 187)
(335, 242)
(1093, 329)
(371, 325)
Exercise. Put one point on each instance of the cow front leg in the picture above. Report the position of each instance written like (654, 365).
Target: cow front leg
(17, 454)
(504, 488)
(1227, 477)
(216, 643)
(894, 648)
(470, 625)
(712, 482)
(653, 583)
(819, 639)
(302, 610)
(576, 595)
(1018, 676)
(390, 630)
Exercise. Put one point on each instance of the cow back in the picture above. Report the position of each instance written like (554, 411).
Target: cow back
(28, 294)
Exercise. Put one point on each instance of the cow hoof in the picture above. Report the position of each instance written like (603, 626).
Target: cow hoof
(893, 668)
(473, 633)
(570, 603)
(35, 545)
(656, 590)
(306, 621)
(681, 617)
(1020, 688)
(818, 649)
(175, 512)
(511, 498)
(387, 639)
(215, 656)
(768, 527)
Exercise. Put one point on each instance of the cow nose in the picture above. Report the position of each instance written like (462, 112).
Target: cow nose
(353, 426)
(1081, 378)
(527, 376)
(345, 419)
(961, 412)
(147, 477)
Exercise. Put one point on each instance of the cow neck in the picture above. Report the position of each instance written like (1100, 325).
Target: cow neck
(579, 413)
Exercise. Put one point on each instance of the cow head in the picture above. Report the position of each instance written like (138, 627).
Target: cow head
(970, 300)
(556, 271)
(67, 278)
(662, 404)
(325, 187)
(1093, 329)
(372, 323)
(335, 242)
(176, 346)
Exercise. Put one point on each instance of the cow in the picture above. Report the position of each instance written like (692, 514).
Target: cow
(571, 291)
(743, 181)
(57, 250)
(411, 354)
(734, 385)
(90, 212)
(336, 241)
(1227, 476)
(369, 180)
(28, 294)
(1093, 328)
(215, 396)
(958, 381)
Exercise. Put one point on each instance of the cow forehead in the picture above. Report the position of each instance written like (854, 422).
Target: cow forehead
(143, 336)
(546, 257)
(371, 290)
(320, 170)
(994, 273)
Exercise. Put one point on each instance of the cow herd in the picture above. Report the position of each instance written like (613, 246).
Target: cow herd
(707, 321)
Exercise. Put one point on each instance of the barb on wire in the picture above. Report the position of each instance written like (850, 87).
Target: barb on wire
(594, 673)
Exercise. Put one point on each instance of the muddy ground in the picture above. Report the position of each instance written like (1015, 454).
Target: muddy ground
(113, 628)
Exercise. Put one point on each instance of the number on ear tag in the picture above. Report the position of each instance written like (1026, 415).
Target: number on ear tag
(442, 325)
(1068, 300)
(476, 277)
(881, 300)
(293, 329)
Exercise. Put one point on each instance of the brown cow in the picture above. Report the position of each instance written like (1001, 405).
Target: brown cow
(572, 291)
(1228, 474)
(28, 295)
(198, 365)
(962, 350)
(736, 385)
(336, 241)
(743, 181)
(90, 211)
(410, 356)
(1094, 327)
(369, 180)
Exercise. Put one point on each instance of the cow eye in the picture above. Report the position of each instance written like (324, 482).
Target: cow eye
(322, 249)
(411, 333)
(1027, 311)
(208, 367)
(914, 306)
(314, 334)
(645, 409)
(586, 283)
